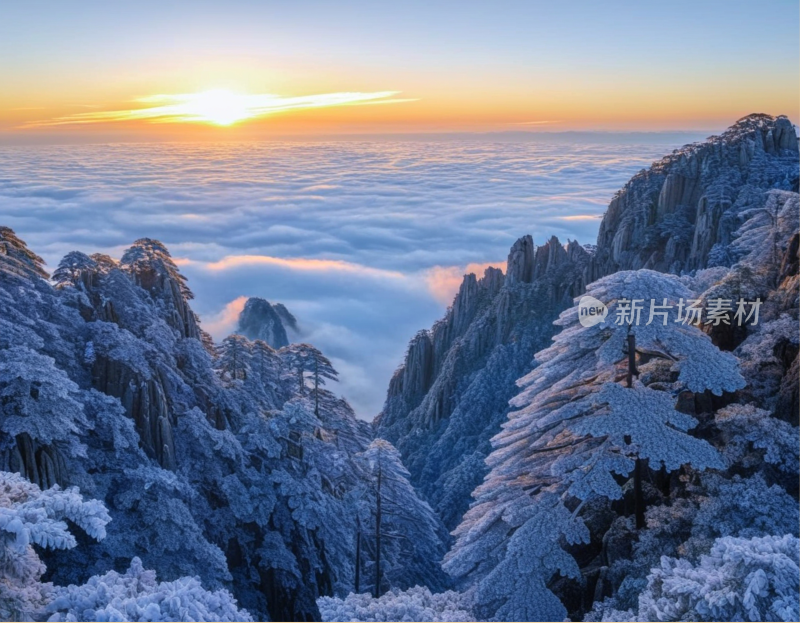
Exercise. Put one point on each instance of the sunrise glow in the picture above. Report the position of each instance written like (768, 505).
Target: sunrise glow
(218, 107)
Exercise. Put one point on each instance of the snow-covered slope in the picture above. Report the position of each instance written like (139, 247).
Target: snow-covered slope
(221, 467)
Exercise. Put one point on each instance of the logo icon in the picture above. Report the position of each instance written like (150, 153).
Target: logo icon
(591, 311)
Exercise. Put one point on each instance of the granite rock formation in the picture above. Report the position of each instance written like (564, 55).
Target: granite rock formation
(450, 396)
(260, 320)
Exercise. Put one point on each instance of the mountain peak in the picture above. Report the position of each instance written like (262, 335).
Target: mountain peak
(682, 212)
(17, 259)
(261, 320)
(151, 264)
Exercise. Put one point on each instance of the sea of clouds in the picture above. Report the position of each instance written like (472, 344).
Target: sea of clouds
(364, 241)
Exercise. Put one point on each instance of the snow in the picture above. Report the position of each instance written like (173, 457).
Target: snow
(414, 604)
(754, 579)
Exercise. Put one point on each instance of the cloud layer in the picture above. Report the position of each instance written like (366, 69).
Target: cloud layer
(365, 242)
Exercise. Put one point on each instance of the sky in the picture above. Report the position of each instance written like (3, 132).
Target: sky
(76, 70)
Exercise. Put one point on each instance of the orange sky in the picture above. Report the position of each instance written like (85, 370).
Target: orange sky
(522, 66)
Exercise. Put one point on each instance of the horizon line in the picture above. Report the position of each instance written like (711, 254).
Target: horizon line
(17, 139)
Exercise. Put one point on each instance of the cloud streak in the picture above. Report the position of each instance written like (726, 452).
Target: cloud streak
(297, 263)
(218, 107)
(222, 324)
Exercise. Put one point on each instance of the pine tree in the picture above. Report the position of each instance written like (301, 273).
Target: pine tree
(305, 360)
(578, 430)
(407, 544)
(266, 368)
(148, 260)
(234, 357)
(71, 267)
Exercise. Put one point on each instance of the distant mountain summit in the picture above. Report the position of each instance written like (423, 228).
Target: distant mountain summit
(261, 320)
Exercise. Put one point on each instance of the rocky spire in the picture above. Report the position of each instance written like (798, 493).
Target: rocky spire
(152, 268)
(260, 320)
(17, 259)
(519, 267)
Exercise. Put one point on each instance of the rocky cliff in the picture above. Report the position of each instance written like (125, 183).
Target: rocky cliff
(680, 213)
(451, 394)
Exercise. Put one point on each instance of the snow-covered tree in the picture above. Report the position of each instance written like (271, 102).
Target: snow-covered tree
(688, 527)
(17, 259)
(754, 579)
(31, 517)
(578, 431)
(414, 604)
(740, 507)
(136, 595)
(752, 437)
(308, 362)
(71, 267)
(40, 408)
(404, 530)
(266, 366)
(150, 261)
(234, 357)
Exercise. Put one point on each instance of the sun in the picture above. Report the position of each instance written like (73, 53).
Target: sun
(219, 107)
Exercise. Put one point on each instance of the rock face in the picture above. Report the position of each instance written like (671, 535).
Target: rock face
(260, 320)
(680, 214)
(450, 396)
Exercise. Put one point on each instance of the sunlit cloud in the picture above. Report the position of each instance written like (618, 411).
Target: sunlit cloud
(581, 217)
(444, 281)
(219, 107)
(230, 262)
(544, 122)
(224, 322)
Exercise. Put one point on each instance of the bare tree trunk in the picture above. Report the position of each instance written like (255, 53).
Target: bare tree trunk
(637, 470)
(376, 592)
(631, 357)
